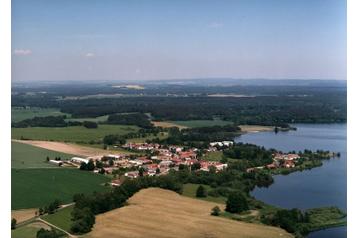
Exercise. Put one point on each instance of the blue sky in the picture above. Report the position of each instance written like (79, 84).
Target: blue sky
(141, 40)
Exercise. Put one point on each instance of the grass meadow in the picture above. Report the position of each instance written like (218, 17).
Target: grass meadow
(62, 218)
(77, 134)
(189, 190)
(20, 113)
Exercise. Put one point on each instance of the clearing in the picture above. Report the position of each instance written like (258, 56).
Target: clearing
(33, 188)
(155, 212)
(28, 156)
(77, 134)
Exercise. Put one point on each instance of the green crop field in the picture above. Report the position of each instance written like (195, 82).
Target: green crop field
(19, 113)
(77, 134)
(202, 123)
(33, 188)
(189, 190)
(28, 156)
(61, 218)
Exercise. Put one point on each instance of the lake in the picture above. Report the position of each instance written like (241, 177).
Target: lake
(318, 187)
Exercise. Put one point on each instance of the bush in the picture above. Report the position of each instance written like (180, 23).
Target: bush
(215, 211)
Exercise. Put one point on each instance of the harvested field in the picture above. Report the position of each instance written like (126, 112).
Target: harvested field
(166, 124)
(67, 148)
(160, 213)
(255, 128)
(23, 214)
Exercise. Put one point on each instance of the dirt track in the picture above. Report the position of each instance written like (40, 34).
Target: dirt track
(161, 213)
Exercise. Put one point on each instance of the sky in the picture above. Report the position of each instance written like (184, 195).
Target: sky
(160, 39)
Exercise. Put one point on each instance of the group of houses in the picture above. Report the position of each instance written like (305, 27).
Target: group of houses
(280, 160)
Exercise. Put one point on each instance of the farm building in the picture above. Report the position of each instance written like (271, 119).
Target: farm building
(78, 160)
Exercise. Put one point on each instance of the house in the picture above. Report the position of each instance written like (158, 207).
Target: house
(165, 163)
(271, 166)
(78, 160)
(116, 183)
(132, 174)
(289, 164)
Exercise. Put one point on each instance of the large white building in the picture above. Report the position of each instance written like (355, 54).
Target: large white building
(79, 160)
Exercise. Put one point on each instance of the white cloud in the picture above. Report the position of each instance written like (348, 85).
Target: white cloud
(216, 25)
(89, 55)
(22, 52)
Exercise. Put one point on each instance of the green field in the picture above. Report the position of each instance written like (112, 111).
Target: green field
(95, 119)
(62, 218)
(19, 113)
(189, 190)
(30, 230)
(77, 134)
(28, 156)
(213, 156)
(27, 231)
(202, 123)
(33, 188)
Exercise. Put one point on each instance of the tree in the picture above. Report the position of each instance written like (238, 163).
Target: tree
(90, 124)
(141, 171)
(41, 211)
(236, 203)
(47, 159)
(13, 223)
(157, 171)
(215, 211)
(195, 166)
(201, 192)
(42, 233)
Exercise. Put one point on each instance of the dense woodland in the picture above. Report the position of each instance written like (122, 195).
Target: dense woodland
(264, 105)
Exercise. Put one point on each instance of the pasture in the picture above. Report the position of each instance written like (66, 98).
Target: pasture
(77, 134)
(20, 113)
(61, 218)
(163, 213)
(33, 188)
(29, 231)
(189, 190)
(28, 156)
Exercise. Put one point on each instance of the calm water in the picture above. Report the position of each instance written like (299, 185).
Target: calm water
(323, 186)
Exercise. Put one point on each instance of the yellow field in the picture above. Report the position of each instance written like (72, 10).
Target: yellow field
(23, 214)
(255, 128)
(69, 148)
(161, 213)
(166, 124)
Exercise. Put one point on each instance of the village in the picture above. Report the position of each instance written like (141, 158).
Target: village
(152, 159)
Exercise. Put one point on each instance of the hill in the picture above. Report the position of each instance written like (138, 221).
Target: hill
(160, 213)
